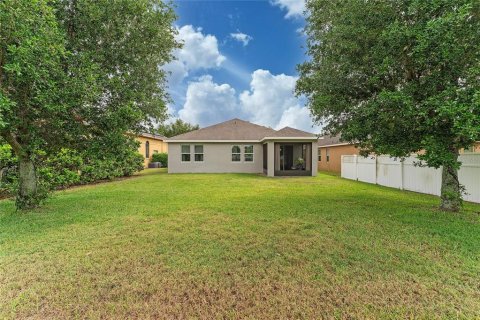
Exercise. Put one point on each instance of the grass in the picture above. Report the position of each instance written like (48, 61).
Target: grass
(239, 246)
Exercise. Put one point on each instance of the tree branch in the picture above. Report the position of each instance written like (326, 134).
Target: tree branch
(13, 142)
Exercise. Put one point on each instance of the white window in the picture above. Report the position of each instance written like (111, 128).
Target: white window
(248, 154)
(198, 153)
(236, 154)
(327, 151)
(185, 153)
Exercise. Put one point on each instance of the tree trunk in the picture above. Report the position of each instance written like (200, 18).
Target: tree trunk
(27, 197)
(451, 193)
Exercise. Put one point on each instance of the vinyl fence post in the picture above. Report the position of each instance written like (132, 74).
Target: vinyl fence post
(376, 169)
(401, 173)
(355, 157)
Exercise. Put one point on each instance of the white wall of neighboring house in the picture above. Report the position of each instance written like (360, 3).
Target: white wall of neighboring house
(390, 172)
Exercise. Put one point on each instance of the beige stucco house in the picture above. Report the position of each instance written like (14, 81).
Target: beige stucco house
(150, 144)
(243, 147)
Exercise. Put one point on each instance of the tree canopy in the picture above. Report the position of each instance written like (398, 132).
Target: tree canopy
(176, 128)
(79, 74)
(397, 77)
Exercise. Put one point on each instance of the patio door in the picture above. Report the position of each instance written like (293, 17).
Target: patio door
(286, 157)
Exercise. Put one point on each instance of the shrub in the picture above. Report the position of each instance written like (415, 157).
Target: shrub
(8, 170)
(69, 167)
(111, 166)
(61, 169)
(160, 157)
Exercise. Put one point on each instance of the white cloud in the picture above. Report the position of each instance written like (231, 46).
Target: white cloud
(297, 117)
(199, 51)
(208, 103)
(294, 8)
(241, 37)
(271, 101)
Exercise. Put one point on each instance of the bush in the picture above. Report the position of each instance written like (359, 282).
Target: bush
(69, 167)
(8, 170)
(61, 170)
(160, 157)
(111, 166)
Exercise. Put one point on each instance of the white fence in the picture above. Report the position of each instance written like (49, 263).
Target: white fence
(404, 175)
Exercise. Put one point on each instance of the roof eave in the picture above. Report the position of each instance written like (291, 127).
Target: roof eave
(289, 138)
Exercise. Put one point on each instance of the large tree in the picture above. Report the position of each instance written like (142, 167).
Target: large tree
(77, 73)
(175, 128)
(397, 77)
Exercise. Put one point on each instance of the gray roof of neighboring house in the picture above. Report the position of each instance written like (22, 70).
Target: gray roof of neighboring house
(330, 140)
(238, 130)
(152, 136)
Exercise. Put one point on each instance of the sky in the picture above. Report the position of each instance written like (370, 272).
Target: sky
(239, 61)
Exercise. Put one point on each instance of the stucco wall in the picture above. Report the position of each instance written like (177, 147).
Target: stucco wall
(155, 145)
(217, 159)
(335, 162)
(475, 148)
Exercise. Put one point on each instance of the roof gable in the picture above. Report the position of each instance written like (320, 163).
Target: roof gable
(292, 132)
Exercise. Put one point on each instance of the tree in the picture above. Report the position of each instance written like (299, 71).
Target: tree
(397, 77)
(77, 73)
(176, 128)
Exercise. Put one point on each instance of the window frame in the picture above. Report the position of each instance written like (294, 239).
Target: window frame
(185, 153)
(239, 153)
(327, 154)
(147, 149)
(245, 153)
(195, 153)
(320, 155)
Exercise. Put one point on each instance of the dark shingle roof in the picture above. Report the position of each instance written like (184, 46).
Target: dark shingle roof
(238, 130)
(152, 136)
(330, 140)
(292, 132)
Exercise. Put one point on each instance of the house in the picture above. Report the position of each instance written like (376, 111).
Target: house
(330, 151)
(150, 144)
(243, 147)
(474, 148)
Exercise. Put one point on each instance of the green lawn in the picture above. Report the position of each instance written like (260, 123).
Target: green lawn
(239, 246)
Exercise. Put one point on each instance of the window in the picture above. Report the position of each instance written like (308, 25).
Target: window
(147, 149)
(198, 153)
(185, 153)
(248, 154)
(319, 155)
(327, 153)
(236, 154)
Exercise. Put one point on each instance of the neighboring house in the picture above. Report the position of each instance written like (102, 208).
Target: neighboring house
(241, 146)
(330, 151)
(475, 148)
(150, 144)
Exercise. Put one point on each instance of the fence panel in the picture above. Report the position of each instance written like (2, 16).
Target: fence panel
(391, 172)
(366, 170)
(469, 176)
(421, 179)
(349, 167)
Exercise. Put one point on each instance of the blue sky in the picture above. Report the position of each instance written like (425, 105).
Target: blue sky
(239, 60)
